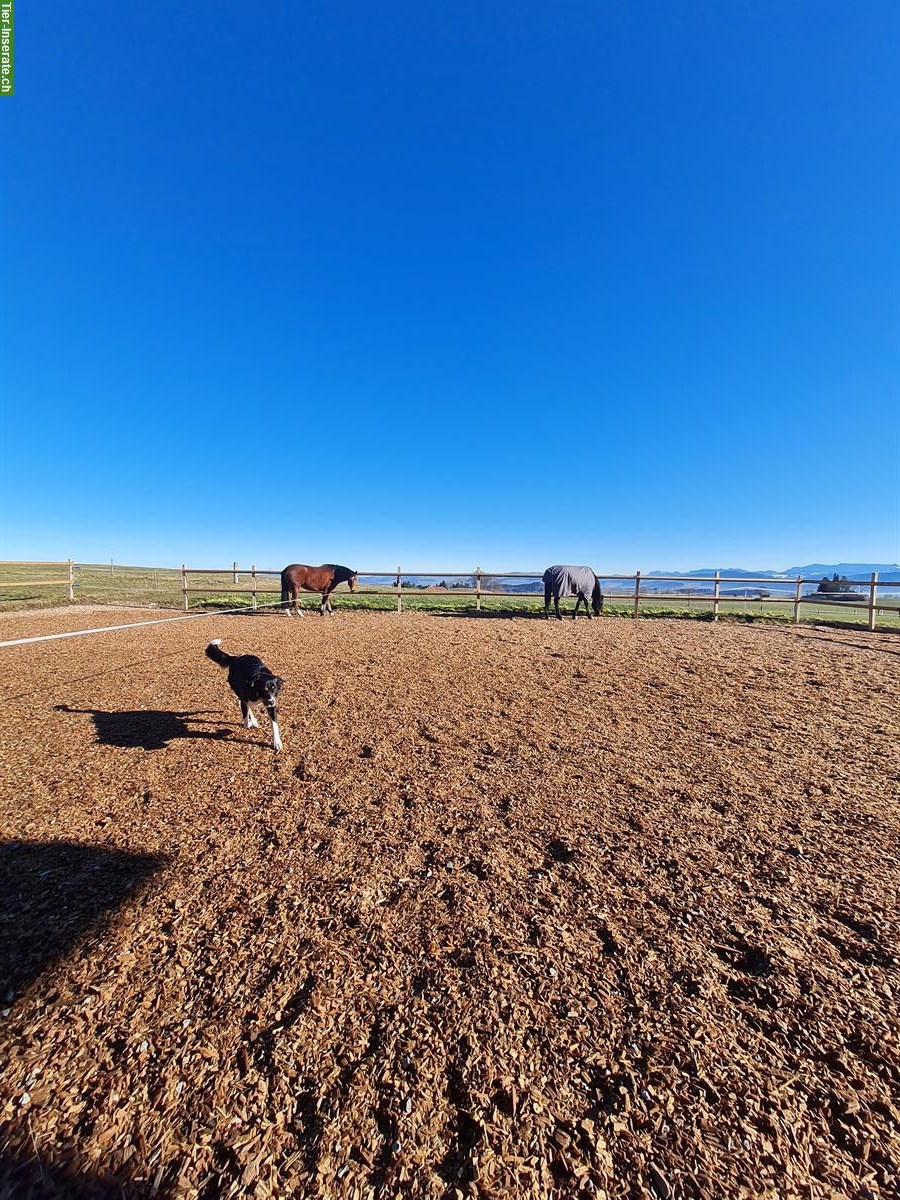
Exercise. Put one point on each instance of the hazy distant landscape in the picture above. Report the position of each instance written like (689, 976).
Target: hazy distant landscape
(778, 582)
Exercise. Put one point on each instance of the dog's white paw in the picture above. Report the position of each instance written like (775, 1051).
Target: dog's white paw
(276, 737)
(251, 721)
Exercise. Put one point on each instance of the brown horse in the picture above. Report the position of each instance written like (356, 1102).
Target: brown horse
(298, 577)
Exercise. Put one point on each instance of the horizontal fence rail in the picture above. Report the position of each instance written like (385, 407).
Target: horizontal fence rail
(635, 589)
(716, 597)
(68, 582)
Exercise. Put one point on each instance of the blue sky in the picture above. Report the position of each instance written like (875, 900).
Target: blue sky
(446, 284)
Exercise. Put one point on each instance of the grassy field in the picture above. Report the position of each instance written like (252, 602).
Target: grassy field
(23, 587)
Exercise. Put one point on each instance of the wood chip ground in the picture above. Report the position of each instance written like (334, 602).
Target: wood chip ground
(524, 909)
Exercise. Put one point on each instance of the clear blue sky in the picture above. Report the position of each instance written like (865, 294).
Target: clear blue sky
(452, 283)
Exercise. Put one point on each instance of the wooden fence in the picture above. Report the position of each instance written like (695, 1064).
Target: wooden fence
(715, 598)
(68, 581)
(634, 588)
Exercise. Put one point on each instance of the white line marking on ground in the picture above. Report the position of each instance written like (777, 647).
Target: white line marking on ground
(52, 637)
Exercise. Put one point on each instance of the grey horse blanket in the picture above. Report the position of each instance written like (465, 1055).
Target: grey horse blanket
(570, 581)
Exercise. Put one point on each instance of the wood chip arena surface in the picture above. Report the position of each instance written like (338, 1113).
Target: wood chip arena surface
(524, 909)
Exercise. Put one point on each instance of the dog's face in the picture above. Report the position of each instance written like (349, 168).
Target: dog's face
(271, 687)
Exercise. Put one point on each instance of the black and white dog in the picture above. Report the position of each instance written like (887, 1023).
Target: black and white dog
(253, 683)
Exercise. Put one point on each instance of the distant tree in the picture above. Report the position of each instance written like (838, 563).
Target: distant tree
(837, 583)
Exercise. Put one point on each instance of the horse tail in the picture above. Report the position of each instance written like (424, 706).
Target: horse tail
(285, 587)
(217, 655)
(597, 597)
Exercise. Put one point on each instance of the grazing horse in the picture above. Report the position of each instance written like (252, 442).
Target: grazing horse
(322, 579)
(572, 581)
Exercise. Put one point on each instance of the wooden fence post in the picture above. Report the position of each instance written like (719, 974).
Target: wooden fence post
(478, 589)
(637, 594)
(716, 598)
(797, 600)
(253, 586)
(71, 580)
(234, 574)
(399, 591)
(873, 588)
(184, 586)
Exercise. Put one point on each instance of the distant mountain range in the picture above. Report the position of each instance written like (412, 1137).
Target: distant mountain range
(780, 582)
(775, 581)
(849, 570)
(811, 571)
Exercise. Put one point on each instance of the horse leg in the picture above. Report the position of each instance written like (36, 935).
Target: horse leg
(276, 732)
(323, 607)
(546, 601)
(577, 602)
(556, 606)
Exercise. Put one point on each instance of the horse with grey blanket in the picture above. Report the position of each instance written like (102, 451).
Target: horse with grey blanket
(579, 582)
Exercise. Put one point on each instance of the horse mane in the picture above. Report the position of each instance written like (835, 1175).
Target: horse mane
(341, 574)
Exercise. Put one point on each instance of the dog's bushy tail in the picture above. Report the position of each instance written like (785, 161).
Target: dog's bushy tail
(217, 655)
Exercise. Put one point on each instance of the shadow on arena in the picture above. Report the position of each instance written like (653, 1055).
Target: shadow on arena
(51, 894)
(147, 729)
(30, 1178)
